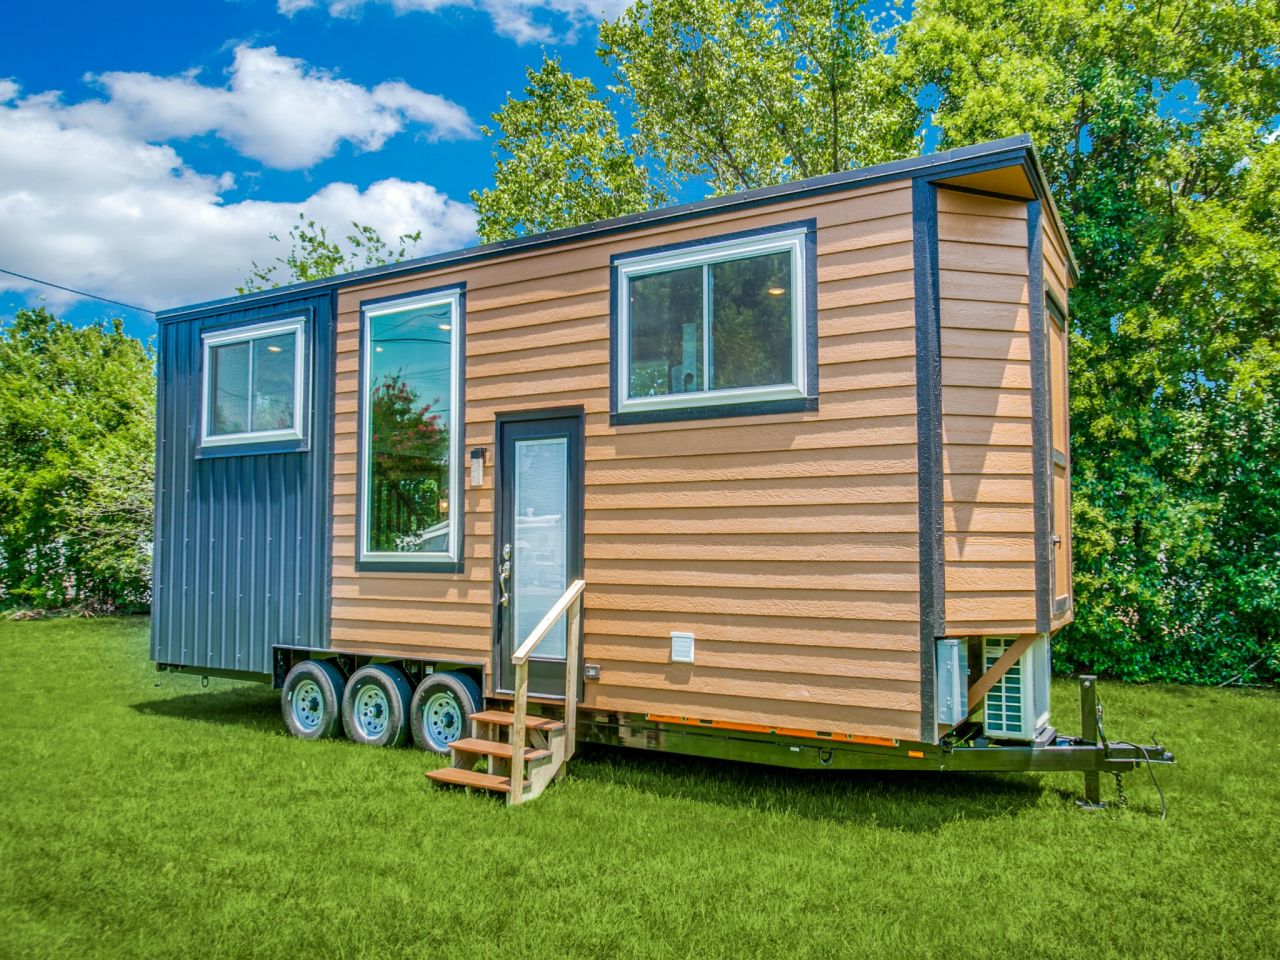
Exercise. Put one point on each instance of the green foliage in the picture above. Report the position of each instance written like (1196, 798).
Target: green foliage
(77, 434)
(313, 256)
(739, 93)
(410, 450)
(560, 161)
(406, 434)
(1156, 125)
(746, 93)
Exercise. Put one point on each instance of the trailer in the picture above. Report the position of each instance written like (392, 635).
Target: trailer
(781, 476)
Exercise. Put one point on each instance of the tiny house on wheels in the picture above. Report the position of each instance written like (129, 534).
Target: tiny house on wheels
(781, 476)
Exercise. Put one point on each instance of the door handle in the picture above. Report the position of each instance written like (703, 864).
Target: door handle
(504, 575)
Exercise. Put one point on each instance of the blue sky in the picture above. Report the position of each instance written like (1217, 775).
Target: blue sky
(147, 151)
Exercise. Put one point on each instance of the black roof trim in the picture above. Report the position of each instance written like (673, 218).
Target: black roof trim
(1011, 150)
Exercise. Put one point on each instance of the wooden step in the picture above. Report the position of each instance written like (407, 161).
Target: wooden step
(504, 719)
(471, 778)
(492, 748)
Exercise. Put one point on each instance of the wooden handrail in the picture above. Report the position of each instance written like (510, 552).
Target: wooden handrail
(570, 601)
(539, 633)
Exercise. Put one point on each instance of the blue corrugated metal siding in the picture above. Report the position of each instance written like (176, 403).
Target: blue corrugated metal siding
(242, 541)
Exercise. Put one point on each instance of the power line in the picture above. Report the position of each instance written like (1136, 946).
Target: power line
(80, 293)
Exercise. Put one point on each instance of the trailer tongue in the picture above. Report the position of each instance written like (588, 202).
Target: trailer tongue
(964, 749)
(1090, 753)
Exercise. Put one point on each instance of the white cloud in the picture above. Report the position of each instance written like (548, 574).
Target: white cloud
(525, 21)
(99, 208)
(275, 109)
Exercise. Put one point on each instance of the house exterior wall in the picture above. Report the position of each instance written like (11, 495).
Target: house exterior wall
(787, 543)
(987, 424)
(991, 466)
(241, 539)
(1057, 278)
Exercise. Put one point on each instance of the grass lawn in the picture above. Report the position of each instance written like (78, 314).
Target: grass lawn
(146, 817)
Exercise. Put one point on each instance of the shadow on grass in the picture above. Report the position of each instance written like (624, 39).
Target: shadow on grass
(251, 708)
(897, 800)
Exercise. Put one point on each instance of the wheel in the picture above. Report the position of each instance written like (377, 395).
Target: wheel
(375, 706)
(311, 700)
(441, 710)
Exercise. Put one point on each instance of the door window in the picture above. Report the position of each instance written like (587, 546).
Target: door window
(540, 524)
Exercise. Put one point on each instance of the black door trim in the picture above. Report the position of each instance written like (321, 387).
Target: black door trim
(577, 519)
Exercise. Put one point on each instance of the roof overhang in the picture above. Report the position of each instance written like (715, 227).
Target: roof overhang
(1008, 167)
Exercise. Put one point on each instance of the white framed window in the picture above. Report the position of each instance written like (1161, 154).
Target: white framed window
(411, 431)
(254, 383)
(712, 324)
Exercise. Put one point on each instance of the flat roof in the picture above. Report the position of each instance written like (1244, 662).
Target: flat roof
(1010, 151)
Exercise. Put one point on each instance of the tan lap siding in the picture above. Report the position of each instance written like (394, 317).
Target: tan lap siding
(1057, 280)
(1057, 276)
(787, 544)
(988, 524)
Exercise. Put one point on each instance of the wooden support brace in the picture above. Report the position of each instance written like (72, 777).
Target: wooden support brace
(982, 686)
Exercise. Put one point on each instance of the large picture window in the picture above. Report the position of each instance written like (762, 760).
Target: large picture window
(713, 324)
(253, 383)
(410, 435)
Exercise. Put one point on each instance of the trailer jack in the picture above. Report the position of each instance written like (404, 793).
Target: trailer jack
(1090, 753)
(1119, 756)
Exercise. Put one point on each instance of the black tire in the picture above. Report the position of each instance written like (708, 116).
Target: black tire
(311, 700)
(453, 698)
(375, 707)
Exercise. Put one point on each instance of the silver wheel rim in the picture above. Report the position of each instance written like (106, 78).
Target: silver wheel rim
(442, 719)
(372, 710)
(308, 705)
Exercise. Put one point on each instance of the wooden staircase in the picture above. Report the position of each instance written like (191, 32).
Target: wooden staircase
(545, 753)
(546, 744)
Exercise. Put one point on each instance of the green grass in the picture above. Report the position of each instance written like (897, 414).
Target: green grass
(146, 817)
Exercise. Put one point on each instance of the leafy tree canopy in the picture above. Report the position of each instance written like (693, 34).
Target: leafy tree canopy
(313, 256)
(562, 160)
(745, 93)
(77, 430)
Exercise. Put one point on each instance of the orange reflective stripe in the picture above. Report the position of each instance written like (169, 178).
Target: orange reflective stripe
(775, 731)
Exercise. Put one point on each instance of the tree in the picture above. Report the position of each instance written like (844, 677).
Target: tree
(410, 449)
(746, 93)
(737, 93)
(313, 256)
(408, 439)
(77, 434)
(560, 160)
(1156, 126)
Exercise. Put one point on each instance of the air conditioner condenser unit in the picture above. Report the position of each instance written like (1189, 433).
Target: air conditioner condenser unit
(1017, 705)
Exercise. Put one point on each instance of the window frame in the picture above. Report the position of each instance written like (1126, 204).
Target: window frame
(247, 334)
(797, 238)
(439, 561)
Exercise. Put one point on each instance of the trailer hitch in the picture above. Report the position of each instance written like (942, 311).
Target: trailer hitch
(1118, 756)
